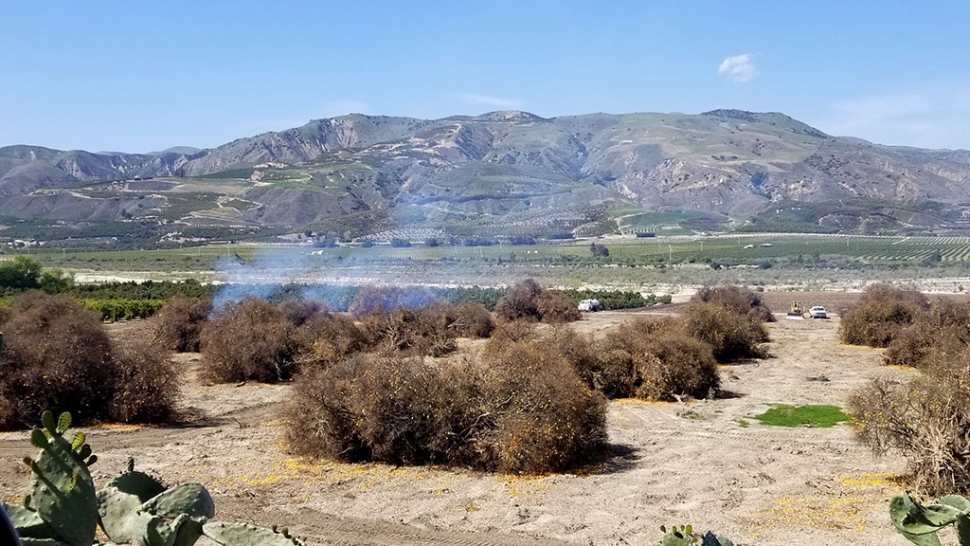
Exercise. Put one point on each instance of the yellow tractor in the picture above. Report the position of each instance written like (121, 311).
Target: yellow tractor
(796, 311)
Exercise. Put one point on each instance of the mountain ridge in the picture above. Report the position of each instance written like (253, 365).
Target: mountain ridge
(494, 167)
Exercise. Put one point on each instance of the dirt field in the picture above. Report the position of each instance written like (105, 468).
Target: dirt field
(705, 463)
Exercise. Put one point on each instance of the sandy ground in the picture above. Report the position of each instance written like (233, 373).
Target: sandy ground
(704, 463)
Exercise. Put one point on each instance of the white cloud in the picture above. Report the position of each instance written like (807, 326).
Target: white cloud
(489, 100)
(739, 68)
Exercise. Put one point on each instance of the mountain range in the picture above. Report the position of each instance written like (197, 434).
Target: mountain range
(503, 173)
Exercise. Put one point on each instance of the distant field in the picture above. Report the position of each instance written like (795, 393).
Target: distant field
(660, 264)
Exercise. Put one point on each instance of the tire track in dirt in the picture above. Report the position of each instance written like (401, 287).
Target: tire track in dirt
(335, 531)
(150, 436)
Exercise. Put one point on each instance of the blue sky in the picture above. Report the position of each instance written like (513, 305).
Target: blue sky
(143, 76)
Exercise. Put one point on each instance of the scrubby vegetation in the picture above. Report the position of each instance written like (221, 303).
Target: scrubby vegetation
(730, 319)
(737, 299)
(880, 314)
(389, 298)
(652, 360)
(57, 356)
(178, 325)
(248, 340)
(528, 300)
(425, 330)
(521, 410)
(326, 338)
(731, 336)
(935, 335)
(927, 420)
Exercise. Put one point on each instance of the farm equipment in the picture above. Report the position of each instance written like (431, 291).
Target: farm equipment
(795, 311)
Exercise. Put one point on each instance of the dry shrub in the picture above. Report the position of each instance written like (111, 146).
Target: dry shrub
(179, 323)
(880, 314)
(525, 412)
(248, 340)
(557, 309)
(737, 299)
(529, 301)
(422, 331)
(520, 302)
(654, 360)
(938, 333)
(388, 298)
(927, 421)
(322, 417)
(148, 384)
(473, 320)
(298, 312)
(326, 339)
(512, 332)
(730, 334)
(57, 357)
(546, 419)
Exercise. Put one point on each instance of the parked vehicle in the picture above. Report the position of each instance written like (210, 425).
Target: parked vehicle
(589, 305)
(795, 311)
(818, 312)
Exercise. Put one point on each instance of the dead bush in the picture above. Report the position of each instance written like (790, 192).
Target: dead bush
(389, 298)
(298, 312)
(731, 335)
(322, 418)
(148, 384)
(601, 366)
(940, 332)
(546, 418)
(57, 357)
(527, 414)
(423, 331)
(675, 365)
(653, 360)
(880, 314)
(737, 299)
(520, 302)
(557, 309)
(512, 332)
(529, 301)
(248, 340)
(326, 339)
(178, 324)
(473, 320)
(927, 421)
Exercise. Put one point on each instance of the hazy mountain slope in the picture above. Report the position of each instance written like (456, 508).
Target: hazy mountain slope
(495, 169)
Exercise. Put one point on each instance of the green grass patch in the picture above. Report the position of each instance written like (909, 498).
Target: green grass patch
(811, 415)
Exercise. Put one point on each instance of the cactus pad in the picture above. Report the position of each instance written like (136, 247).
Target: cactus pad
(62, 491)
(242, 534)
(190, 499)
(27, 522)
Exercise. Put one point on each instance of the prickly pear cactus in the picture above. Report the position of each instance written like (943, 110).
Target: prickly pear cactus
(63, 508)
(685, 536)
(920, 524)
(136, 508)
(61, 505)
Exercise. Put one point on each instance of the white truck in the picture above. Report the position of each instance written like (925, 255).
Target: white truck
(818, 312)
